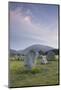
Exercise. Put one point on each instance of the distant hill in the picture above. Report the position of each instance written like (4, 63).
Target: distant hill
(37, 48)
(12, 52)
(56, 51)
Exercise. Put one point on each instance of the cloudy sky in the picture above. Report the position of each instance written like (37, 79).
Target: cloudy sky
(33, 24)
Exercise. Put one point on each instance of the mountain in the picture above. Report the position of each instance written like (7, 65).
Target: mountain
(56, 51)
(36, 48)
(12, 52)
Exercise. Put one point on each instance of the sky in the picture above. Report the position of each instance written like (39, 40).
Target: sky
(31, 24)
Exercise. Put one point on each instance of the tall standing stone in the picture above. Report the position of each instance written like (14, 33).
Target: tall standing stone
(30, 59)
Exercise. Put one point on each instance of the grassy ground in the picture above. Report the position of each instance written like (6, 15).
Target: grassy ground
(40, 74)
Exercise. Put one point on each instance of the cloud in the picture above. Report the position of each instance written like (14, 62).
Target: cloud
(24, 32)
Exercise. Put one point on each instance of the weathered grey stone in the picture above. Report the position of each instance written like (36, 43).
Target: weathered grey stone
(44, 60)
(30, 59)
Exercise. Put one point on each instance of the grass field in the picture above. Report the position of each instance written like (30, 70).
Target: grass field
(40, 74)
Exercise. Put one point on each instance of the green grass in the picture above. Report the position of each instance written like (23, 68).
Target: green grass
(40, 74)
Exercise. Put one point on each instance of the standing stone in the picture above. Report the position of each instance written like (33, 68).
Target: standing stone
(44, 60)
(30, 59)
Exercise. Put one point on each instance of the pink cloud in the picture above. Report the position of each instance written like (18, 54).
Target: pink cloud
(28, 19)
